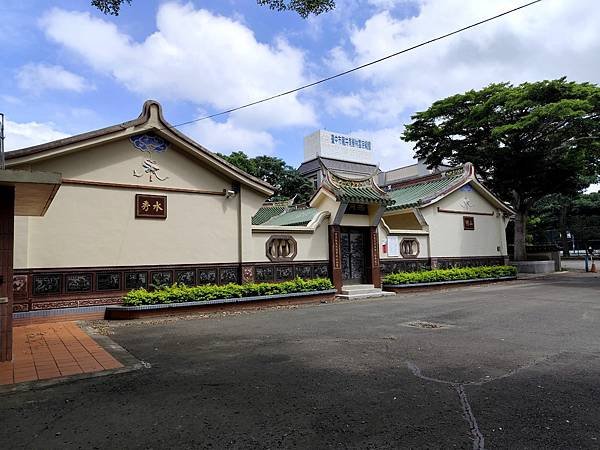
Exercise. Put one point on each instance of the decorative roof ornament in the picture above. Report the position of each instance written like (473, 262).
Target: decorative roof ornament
(355, 190)
(149, 142)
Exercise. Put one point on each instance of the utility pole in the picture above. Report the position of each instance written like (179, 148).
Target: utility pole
(2, 164)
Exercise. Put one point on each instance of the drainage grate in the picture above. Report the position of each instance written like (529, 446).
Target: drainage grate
(422, 324)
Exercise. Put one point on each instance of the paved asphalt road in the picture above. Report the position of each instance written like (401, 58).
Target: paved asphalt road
(515, 365)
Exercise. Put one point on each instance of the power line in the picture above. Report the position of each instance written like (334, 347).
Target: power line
(362, 66)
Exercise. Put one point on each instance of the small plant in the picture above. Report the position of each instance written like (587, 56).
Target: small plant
(180, 293)
(459, 273)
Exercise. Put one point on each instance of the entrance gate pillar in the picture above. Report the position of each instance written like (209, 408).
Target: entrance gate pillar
(374, 272)
(7, 218)
(335, 257)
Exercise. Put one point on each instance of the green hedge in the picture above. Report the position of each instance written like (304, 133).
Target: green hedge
(462, 273)
(179, 293)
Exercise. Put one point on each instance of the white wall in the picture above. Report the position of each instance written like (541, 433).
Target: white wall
(96, 226)
(448, 238)
(423, 240)
(311, 246)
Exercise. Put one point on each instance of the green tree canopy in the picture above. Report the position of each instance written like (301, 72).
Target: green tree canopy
(303, 7)
(286, 180)
(556, 217)
(526, 141)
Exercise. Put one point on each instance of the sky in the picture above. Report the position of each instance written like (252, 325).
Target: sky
(66, 68)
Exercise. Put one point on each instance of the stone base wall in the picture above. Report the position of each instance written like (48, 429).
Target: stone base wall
(40, 289)
(412, 265)
(404, 265)
(469, 261)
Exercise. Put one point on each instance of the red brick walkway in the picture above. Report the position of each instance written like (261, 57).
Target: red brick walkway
(52, 350)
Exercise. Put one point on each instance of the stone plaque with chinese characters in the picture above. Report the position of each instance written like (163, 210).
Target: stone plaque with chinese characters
(151, 206)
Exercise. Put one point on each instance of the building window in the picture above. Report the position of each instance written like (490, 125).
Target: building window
(281, 248)
(409, 248)
(469, 222)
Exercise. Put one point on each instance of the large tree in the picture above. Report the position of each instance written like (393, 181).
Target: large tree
(303, 7)
(287, 181)
(526, 141)
(566, 219)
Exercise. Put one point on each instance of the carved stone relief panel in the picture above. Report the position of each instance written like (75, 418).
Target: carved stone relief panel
(108, 281)
(78, 282)
(264, 274)
(187, 277)
(46, 284)
(281, 248)
(303, 271)
(162, 278)
(409, 248)
(207, 276)
(228, 275)
(284, 273)
(136, 280)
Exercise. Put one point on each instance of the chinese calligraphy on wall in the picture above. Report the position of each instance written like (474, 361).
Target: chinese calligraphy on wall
(151, 206)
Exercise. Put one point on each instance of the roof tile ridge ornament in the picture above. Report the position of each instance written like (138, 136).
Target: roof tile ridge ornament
(339, 181)
(467, 174)
(464, 170)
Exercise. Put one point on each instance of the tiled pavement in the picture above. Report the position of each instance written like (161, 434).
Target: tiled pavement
(52, 350)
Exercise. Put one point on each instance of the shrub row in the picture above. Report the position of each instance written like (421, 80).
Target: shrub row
(179, 293)
(462, 273)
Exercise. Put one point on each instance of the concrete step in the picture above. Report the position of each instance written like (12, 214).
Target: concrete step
(362, 291)
(354, 287)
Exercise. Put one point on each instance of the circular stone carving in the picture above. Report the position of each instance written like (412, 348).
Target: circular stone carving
(281, 248)
(409, 248)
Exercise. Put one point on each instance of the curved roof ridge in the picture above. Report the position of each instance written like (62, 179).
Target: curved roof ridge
(426, 191)
(143, 118)
(466, 168)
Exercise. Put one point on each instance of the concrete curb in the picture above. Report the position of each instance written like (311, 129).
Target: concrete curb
(133, 312)
(446, 283)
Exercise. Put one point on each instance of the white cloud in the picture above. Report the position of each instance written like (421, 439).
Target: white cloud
(213, 61)
(349, 105)
(227, 137)
(547, 40)
(21, 135)
(36, 78)
(388, 150)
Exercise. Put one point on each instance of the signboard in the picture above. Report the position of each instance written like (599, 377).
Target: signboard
(348, 141)
(393, 246)
(151, 206)
(327, 144)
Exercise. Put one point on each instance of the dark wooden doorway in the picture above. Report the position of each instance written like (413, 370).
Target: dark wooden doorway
(353, 243)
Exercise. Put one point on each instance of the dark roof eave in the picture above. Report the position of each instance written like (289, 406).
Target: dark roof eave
(403, 206)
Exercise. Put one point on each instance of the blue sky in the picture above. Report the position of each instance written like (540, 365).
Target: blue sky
(67, 68)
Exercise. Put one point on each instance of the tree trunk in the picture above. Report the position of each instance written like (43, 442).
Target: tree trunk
(562, 225)
(520, 234)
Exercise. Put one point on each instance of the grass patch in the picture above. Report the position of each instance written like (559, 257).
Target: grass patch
(459, 273)
(179, 293)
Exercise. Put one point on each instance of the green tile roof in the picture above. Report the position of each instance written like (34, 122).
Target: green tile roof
(265, 213)
(414, 194)
(361, 195)
(293, 217)
(360, 190)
